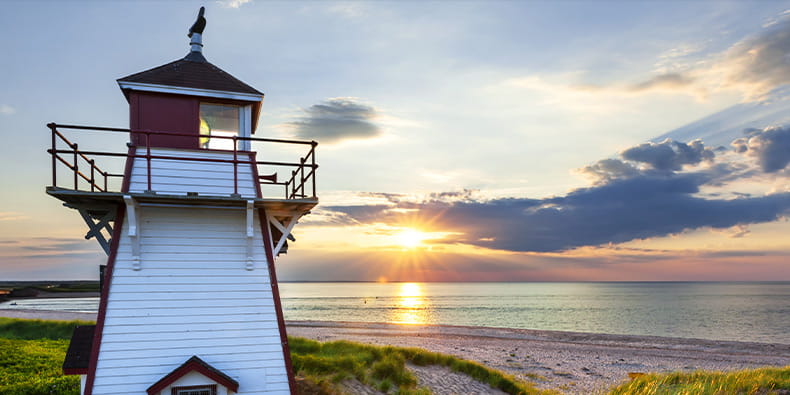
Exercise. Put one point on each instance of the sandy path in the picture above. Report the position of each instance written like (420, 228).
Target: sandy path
(576, 363)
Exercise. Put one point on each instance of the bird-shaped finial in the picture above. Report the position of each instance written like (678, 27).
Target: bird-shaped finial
(199, 24)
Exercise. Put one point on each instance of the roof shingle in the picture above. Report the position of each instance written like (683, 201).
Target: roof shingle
(191, 72)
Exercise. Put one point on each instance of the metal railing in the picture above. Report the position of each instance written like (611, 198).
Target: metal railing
(296, 186)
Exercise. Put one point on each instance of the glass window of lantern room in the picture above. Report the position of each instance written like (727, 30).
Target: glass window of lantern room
(218, 121)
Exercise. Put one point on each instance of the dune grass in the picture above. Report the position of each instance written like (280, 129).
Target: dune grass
(384, 367)
(762, 381)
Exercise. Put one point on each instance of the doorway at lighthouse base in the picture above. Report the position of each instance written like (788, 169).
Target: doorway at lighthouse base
(190, 283)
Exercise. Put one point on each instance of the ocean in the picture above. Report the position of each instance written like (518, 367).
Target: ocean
(740, 311)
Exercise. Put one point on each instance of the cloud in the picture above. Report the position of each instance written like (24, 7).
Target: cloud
(233, 3)
(755, 66)
(12, 216)
(760, 63)
(651, 190)
(663, 81)
(622, 210)
(608, 169)
(7, 110)
(669, 155)
(337, 119)
(771, 147)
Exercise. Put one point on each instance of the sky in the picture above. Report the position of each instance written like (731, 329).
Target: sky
(459, 140)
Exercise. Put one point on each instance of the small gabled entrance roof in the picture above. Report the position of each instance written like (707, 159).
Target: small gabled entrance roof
(79, 353)
(194, 364)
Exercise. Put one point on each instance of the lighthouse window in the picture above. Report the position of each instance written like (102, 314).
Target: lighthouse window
(195, 390)
(218, 120)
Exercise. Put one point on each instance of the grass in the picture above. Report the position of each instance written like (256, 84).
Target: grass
(384, 368)
(12, 328)
(33, 367)
(762, 381)
(31, 355)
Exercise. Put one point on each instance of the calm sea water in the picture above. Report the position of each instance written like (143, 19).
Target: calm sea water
(751, 311)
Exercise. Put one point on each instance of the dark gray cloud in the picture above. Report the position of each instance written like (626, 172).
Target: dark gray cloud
(669, 155)
(606, 170)
(771, 147)
(337, 119)
(622, 210)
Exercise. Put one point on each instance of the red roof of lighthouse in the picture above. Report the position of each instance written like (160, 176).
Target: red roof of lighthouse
(191, 73)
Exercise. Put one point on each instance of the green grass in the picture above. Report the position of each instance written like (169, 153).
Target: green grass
(33, 367)
(12, 328)
(31, 355)
(384, 368)
(762, 381)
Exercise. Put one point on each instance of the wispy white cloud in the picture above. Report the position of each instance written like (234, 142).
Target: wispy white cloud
(5, 109)
(233, 3)
(11, 216)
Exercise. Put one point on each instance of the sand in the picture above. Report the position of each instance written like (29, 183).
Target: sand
(576, 363)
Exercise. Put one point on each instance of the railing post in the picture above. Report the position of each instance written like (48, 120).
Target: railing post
(54, 170)
(301, 184)
(76, 166)
(148, 158)
(312, 156)
(236, 169)
(105, 181)
(93, 182)
(293, 186)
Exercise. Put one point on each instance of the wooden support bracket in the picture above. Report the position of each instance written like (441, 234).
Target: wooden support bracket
(95, 227)
(285, 230)
(133, 219)
(250, 233)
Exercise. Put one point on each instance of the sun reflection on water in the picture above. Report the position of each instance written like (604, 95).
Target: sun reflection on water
(410, 306)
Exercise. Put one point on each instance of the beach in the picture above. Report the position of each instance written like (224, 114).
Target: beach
(576, 363)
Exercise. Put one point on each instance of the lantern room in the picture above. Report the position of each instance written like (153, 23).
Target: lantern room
(194, 101)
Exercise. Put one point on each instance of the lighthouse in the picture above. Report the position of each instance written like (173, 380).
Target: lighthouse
(192, 222)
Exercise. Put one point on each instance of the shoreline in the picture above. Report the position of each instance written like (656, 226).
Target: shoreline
(574, 362)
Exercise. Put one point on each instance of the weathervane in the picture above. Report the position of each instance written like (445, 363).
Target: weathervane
(196, 37)
(199, 25)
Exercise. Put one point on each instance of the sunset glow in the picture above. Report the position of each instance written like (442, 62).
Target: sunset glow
(411, 307)
(410, 238)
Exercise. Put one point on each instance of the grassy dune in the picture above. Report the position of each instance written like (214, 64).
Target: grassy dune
(753, 381)
(328, 364)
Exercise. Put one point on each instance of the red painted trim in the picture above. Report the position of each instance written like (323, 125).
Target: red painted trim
(278, 308)
(68, 372)
(127, 172)
(189, 367)
(105, 292)
(255, 179)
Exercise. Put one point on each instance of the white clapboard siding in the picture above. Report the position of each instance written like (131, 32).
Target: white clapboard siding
(178, 177)
(193, 295)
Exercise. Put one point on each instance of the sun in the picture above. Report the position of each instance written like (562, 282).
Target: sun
(410, 238)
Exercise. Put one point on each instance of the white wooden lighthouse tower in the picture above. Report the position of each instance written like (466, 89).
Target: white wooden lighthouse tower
(189, 301)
